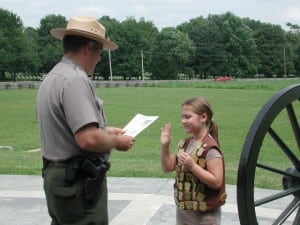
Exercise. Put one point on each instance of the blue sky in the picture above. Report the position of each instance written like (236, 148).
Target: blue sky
(162, 13)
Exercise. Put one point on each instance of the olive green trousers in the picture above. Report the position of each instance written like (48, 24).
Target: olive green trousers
(66, 205)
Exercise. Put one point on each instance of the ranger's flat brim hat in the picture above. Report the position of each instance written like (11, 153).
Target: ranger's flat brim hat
(85, 26)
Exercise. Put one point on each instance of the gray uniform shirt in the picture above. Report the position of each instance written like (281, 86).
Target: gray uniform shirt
(66, 102)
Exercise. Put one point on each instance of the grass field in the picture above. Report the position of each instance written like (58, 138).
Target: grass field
(235, 104)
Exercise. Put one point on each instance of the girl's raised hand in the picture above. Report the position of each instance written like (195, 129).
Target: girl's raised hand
(166, 134)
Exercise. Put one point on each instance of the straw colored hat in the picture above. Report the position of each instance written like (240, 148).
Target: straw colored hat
(85, 26)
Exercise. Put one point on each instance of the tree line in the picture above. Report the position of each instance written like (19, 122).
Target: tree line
(201, 48)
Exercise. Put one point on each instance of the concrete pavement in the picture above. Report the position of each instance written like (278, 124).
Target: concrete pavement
(132, 201)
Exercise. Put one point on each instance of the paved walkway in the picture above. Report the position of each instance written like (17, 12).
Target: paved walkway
(132, 201)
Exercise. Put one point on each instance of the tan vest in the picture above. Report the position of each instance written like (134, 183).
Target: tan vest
(189, 191)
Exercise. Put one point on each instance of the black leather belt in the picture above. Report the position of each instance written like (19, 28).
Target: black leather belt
(51, 163)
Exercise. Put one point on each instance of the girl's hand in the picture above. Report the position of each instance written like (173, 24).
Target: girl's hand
(185, 160)
(166, 134)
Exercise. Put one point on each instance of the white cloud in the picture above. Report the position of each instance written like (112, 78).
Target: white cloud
(293, 13)
(92, 10)
(162, 13)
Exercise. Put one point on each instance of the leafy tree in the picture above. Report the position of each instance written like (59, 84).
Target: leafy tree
(218, 45)
(173, 50)
(270, 41)
(148, 37)
(49, 48)
(12, 44)
(103, 68)
(253, 24)
(240, 47)
(208, 40)
(295, 28)
(225, 46)
(33, 62)
(3, 58)
(134, 37)
(293, 44)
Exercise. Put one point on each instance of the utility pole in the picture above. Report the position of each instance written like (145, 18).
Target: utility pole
(284, 62)
(110, 69)
(142, 55)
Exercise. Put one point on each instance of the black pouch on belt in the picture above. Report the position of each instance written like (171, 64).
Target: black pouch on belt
(73, 169)
(95, 171)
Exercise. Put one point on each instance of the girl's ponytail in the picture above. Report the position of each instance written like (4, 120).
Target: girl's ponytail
(213, 130)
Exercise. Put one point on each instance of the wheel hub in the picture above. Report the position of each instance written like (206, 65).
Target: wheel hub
(291, 181)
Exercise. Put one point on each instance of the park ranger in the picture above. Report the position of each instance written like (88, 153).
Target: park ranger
(75, 141)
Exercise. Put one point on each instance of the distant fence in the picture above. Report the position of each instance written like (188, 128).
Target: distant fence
(19, 85)
(97, 84)
(123, 83)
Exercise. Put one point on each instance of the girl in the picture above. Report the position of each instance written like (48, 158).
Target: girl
(199, 188)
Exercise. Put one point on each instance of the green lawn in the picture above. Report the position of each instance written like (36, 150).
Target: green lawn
(235, 104)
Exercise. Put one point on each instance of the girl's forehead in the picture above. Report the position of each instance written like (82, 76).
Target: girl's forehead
(187, 109)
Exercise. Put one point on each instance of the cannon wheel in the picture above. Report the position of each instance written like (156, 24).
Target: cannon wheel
(284, 105)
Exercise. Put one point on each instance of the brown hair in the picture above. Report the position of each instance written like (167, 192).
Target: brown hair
(201, 105)
(72, 43)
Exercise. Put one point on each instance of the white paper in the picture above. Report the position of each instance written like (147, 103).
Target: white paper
(138, 123)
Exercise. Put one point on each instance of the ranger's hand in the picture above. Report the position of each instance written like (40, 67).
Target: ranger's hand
(125, 142)
(115, 130)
